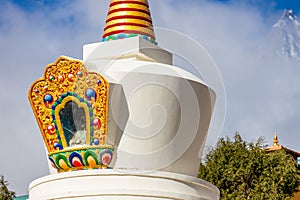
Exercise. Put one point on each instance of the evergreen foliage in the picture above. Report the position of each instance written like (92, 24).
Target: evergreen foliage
(5, 194)
(244, 170)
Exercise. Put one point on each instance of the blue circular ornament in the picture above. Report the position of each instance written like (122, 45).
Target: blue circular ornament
(90, 93)
(96, 141)
(48, 98)
(57, 145)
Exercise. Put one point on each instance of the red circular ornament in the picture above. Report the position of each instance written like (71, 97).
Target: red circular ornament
(60, 78)
(71, 77)
(97, 123)
(106, 159)
(51, 129)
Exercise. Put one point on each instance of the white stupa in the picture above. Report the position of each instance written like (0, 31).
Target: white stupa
(123, 123)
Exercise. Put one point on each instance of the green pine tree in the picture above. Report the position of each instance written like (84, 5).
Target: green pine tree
(5, 194)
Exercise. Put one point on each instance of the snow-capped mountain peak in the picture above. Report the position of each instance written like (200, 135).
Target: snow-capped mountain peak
(287, 17)
(289, 14)
(287, 33)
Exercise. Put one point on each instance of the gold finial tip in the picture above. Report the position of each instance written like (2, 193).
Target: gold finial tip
(275, 140)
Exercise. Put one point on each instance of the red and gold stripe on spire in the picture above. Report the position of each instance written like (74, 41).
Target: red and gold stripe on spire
(128, 18)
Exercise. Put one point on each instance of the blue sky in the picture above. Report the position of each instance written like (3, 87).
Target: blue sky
(269, 4)
(278, 4)
(262, 95)
(31, 5)
(261, 4)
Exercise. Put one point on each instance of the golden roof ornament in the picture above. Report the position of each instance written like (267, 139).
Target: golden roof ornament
(71, 107)
(128, 18)
(275, 140)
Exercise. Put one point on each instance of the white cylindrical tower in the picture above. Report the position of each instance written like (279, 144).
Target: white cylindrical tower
(124, 123)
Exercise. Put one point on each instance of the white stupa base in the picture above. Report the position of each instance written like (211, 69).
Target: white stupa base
(112, 184)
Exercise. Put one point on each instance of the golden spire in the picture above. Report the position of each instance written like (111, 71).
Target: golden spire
(275, 140)
(128, 18)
